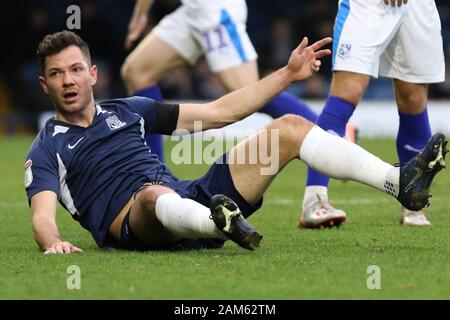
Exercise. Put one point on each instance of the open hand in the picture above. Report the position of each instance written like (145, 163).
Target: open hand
(304, 60)
(62, 247)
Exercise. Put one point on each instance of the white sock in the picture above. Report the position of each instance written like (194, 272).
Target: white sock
(340, 159)
(310, 195)
(185, 217)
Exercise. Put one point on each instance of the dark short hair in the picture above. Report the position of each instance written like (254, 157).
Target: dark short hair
(56, 42)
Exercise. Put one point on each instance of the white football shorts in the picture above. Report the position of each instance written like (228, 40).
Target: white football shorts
(217, 32)
(401, 43)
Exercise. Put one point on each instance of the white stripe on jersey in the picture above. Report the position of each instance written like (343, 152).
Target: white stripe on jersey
(142, 128)
(64, 191)
(60, 129)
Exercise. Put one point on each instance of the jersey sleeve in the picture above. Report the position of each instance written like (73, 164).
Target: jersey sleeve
(41, 171)
(159, 117)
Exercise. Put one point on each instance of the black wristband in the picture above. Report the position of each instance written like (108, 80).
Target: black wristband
(166, 118)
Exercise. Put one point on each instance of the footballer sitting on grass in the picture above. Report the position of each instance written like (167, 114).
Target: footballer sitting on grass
(93, 159)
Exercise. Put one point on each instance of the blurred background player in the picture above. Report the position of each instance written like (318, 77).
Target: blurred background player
(398, 39)
(214, 29)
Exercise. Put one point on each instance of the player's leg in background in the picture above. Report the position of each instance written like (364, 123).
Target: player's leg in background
(414, 58)
(168, 46)
(358, 42)
(414, 129)
(346, 91)
(413, 133)
(141, 72)
(148, 62)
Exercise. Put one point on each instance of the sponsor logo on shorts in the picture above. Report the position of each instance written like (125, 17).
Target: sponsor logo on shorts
(345, 50)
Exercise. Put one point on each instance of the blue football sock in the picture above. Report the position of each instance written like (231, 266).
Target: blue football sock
(286, 103)
(413, 134)
(333, 118)
(154, 141)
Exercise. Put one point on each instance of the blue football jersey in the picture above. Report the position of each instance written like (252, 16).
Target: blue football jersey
(95, 170)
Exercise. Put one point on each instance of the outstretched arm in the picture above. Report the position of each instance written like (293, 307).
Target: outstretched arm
(303, 63)
(138, 21)
(43, 207)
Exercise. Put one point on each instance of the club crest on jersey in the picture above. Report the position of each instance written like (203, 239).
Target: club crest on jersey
(114, 122)
(344, 50)
(28, 173)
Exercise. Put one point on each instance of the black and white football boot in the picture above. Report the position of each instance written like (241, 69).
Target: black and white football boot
(228, 219)
(416, 176)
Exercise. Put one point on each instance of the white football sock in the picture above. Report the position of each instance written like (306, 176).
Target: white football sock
(185, 217)
(340, 159)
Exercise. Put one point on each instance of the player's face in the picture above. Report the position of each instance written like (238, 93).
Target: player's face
(68, 80)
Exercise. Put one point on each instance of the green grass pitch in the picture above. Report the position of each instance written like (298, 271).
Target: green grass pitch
(290, 264)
